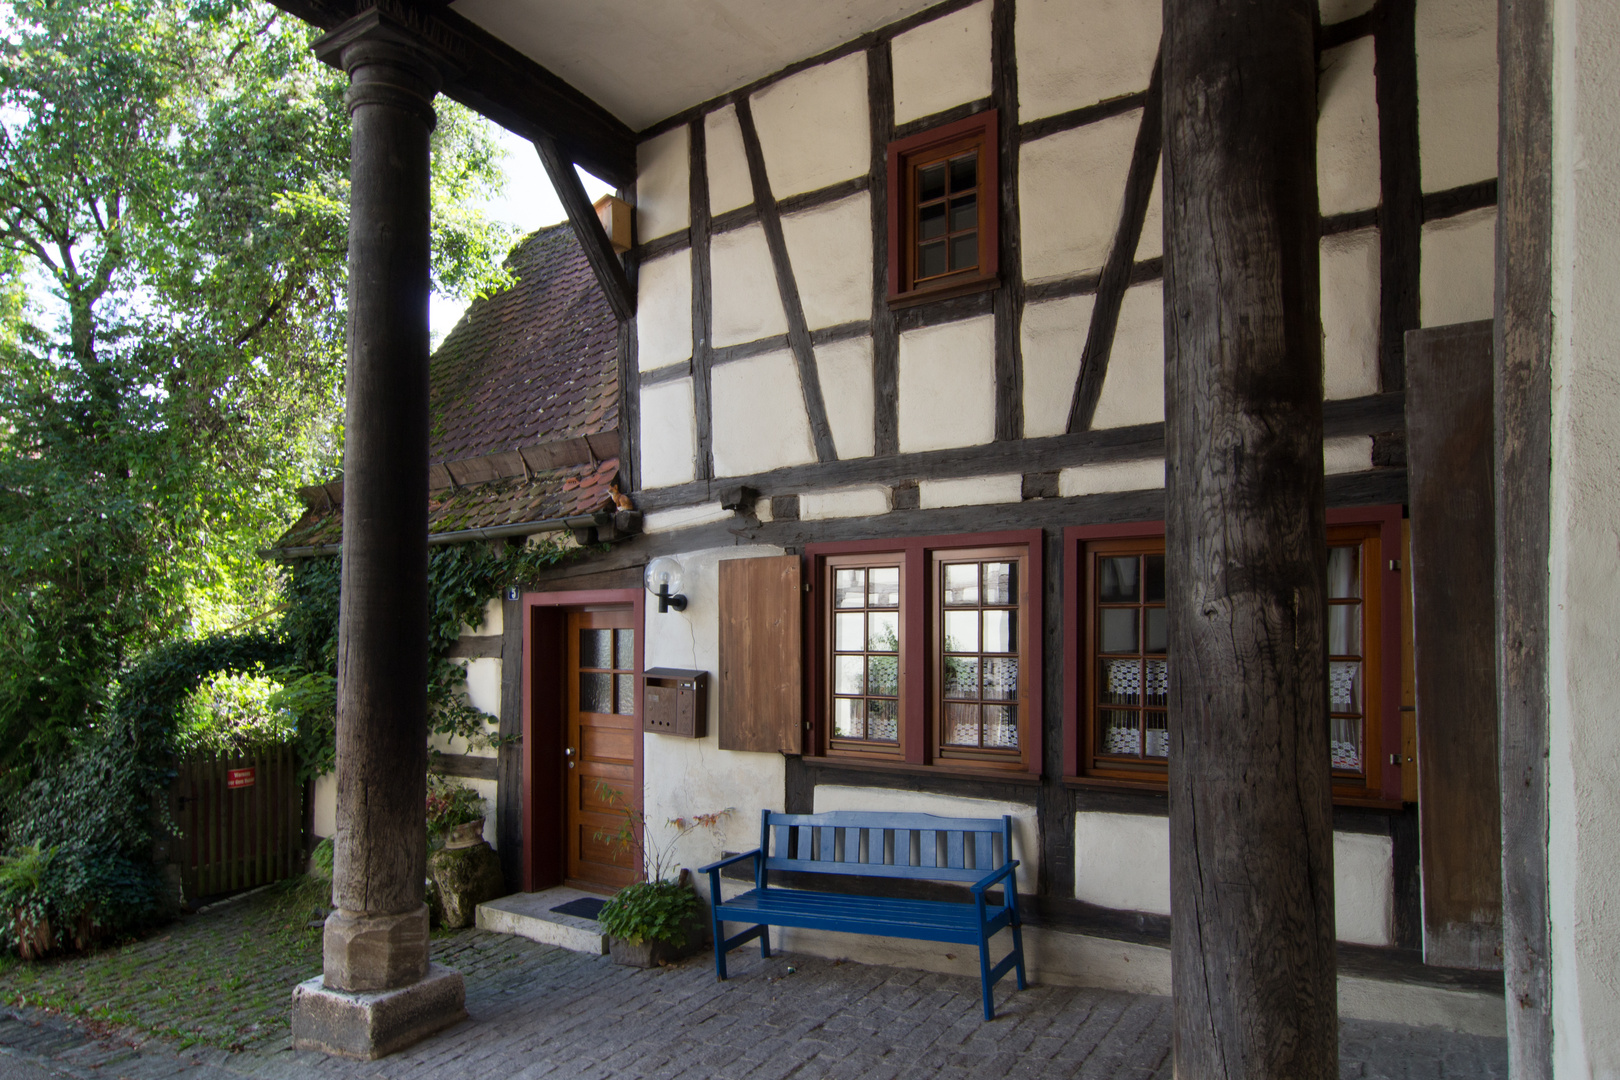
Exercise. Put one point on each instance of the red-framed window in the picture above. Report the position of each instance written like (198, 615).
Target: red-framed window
(944, 220)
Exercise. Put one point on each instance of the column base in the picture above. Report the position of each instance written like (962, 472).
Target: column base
(376, 1023)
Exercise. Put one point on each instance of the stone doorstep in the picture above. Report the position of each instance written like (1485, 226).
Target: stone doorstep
(529, 915)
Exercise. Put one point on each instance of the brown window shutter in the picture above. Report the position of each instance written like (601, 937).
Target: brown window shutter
(761, 655)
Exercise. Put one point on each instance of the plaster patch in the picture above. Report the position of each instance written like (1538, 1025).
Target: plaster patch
(813, 126)
(1347, 454)
(325, 798)
(1457, 282)
(684, 517)
(1347, 170)
(970, 491)
(947, 385)
(663, 183)
(1364, 888)
(489, 624)
(1053, 336)
(830, 249)
(729, 184)
(1122, 861)
(484, 685)
(1070, 189)
(1456, 69)
(1350, 314)
(1026, 837)
(942, 64)
(747, 304)
(759, 418)
(845, 368)
(844, 503)
(668, 444)
(1113, 476)
(1071, 55)
(664, 312)
(1133, 389)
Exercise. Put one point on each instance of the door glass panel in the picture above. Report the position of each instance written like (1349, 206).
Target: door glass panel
(595, 692)
(624, 650)
(596, 648)
(624, 689)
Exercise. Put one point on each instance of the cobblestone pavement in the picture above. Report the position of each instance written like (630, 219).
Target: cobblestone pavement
(538, 1012)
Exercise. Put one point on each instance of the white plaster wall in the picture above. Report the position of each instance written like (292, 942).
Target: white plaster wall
(1114, 476)
(1350, 314)
(1584, 589)
(1053, 335)
(325, 823)
(663, 182)
(1347, 175)
(1346, 454)
(1456, 69)
(1457, 280)
(1070, 189)
(1073, 54)
(1133, 390)
(868, 501)
(747, 303)
(684, 517)
(1026, 840)
(830, 249)
(668, 434)
(484, 684)
(685, 777)
(942, 64)
(947, 385)
(729, 184)
(970, 491)
(1364, 888)
(845, 369)
(813, 126)
(664, 312)
(759, 418)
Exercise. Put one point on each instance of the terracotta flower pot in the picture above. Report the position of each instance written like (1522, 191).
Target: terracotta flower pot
(466, 835)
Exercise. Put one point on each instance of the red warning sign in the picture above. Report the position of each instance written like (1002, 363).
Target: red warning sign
(235, 778)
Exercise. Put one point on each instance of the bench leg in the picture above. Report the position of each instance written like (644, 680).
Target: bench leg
(765, 942)
(1018, 951)
(720, 950)
(984, 976)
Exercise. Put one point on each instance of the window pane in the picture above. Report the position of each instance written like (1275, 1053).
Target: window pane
(961, 584)
(850, 632)
(931, 182)
(1116, 580)
(596, 648)
(847, 719)
(1000, 678)
(999, 584)
(998, 631)
(965, 251)
(961, 725)
(849, 674)
(1120, 735)
(964, 213)
(624, 689)
(961, 677)
(1153, 575)
(595, 692)
(850, 587)
(931, 221)
(1344, 686)
(1121, 682)
(1158, 631)
(883, 675)
(961, 631)
(1156, 737)
(1344, 572)
(1344, 629)
(885, 586)
(1119, 630)
(1001, 727)
(1156, 682)
(883, 631)
(964, 172)
(624, 650)
(931, 259)
(1344, 735)
(883, 720)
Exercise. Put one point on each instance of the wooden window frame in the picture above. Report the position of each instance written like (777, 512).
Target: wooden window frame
(1380, 786)
(921, 687)
(905, 156)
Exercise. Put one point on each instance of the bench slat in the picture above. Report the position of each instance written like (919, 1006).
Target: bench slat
(953, 850)
(864, 819)
(916, 873)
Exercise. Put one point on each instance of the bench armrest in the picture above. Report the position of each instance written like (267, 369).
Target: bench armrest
(989, 880)
(712, 867)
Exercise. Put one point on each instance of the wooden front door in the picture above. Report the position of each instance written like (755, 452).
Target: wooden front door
(603, 743)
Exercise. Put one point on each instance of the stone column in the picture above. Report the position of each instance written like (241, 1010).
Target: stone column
(378, 993)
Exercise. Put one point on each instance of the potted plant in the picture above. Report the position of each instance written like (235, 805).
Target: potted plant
(455, 814)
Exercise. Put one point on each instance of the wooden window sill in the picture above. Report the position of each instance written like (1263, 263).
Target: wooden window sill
(945, 291)
(1154, 787)
(1007, 776)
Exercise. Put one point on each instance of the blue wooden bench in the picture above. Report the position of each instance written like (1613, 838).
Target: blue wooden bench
(912, 847)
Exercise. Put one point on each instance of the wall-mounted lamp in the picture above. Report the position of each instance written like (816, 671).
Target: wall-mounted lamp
(664, 582)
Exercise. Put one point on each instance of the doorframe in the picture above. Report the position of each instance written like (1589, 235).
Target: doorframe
(545, 618)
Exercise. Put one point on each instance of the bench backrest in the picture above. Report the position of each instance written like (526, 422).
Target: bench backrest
(874, 844)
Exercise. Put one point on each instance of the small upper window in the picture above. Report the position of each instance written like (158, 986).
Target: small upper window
(943, 232)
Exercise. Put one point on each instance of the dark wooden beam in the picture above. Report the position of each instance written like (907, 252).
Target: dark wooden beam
(1253, 967)
(593, 238)
(492, 78)
(472, 767)
(1438, 205)
(1008, 302)
(702, 298)
(1086, 114)
(629, 392)
(1400, 231)
(885, 331)
(476, 646)
(508, 755)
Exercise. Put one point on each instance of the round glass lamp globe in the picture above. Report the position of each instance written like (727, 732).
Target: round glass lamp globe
(664, 571)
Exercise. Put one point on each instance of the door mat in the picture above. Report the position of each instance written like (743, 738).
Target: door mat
(585, 907)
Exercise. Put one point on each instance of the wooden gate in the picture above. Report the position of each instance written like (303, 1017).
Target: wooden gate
(240, 819)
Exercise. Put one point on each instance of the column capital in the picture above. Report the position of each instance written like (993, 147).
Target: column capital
(389, 61)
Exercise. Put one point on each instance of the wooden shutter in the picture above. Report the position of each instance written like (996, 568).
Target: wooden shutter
(761, 655)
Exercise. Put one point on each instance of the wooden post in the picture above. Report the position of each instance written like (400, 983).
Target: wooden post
(1251, 858)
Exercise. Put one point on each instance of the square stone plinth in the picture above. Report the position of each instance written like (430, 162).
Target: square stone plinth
(374, 1024)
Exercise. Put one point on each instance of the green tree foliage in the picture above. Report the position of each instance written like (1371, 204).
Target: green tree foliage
(173, 176)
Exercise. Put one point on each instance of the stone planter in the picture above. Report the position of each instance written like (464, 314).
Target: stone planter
(652, 954)
(462, 878)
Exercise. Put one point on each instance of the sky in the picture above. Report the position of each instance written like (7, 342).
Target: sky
(527, 202)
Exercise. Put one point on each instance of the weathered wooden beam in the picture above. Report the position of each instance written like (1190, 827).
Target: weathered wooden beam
(1007, 304)
(702, 297)
(1400, 225)
(1251, 840)
(885, 331)
(476, 647)
(492, 78)
(469, 767)
(508, 755)
(593, 238)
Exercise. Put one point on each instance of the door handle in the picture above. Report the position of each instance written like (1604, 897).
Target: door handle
(568, 751)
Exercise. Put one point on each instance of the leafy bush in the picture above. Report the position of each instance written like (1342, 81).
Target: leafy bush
(450, 804)
(234, 712)
(650, 911)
